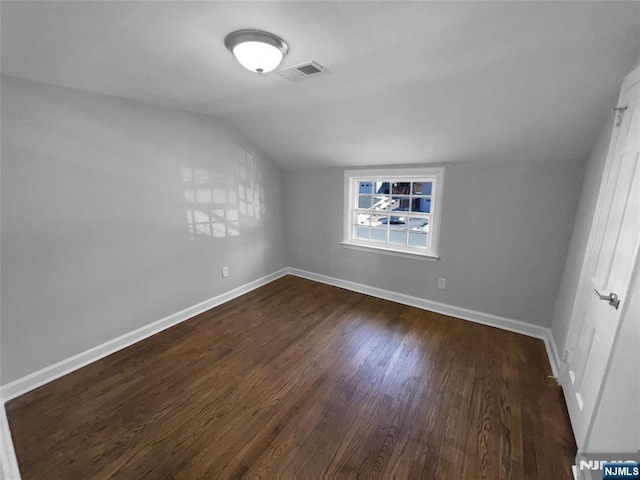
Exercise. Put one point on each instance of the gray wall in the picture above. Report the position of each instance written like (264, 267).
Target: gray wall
(95, 239)
(504, 236)
(580, 236)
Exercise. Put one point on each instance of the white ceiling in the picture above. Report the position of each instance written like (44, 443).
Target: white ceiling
(410, 82)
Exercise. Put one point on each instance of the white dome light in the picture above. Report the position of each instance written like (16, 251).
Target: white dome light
(257, 51)
(258, 57)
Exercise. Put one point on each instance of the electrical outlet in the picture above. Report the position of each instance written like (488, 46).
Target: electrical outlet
(225, 272)
(565, 356)
(442, 283)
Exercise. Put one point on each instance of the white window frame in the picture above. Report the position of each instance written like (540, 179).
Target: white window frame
(432, 174)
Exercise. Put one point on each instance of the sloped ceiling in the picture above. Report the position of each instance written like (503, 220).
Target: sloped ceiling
(410, 82)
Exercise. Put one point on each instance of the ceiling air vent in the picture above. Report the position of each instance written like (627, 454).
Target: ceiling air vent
(304, 70)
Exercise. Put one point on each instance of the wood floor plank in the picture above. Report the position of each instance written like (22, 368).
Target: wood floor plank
(301, 379)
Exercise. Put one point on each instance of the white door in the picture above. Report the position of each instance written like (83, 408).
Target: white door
(614, 242)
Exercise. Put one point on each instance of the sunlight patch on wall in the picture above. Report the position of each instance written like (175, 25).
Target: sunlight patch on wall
(216, 201)
(212, 209)
(250, 190)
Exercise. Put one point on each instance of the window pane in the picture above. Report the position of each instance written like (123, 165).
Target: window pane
(362, 233)
(419, 224)
(422, 188)
(397, 237)
(364, 201)
(365, 187)
(381, 187)
(379, 220)
(417, 239)
(379, 234)
(381, 203)
(361, 218)
(403, 188)
(421, 205)
(400, 203)
(398, 222)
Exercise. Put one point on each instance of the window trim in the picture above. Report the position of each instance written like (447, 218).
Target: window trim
(393, 174)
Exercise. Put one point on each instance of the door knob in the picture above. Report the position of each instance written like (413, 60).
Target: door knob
(612, 298)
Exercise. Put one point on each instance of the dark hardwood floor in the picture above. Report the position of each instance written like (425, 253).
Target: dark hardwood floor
(303, 379)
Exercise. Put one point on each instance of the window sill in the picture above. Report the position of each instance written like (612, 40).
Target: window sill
(389, 251)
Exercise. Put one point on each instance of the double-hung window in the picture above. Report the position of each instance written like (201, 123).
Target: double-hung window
(396, 211)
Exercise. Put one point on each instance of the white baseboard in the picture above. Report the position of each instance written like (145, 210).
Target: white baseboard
(41, 377)
(503, 323)
(552, 353)
(8, 463)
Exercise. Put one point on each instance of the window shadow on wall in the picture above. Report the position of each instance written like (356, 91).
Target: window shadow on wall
(219, 202)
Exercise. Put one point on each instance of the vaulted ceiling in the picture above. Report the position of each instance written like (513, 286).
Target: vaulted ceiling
(409, 82)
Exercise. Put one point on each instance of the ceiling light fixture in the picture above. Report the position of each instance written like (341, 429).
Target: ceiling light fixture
(258, 51)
